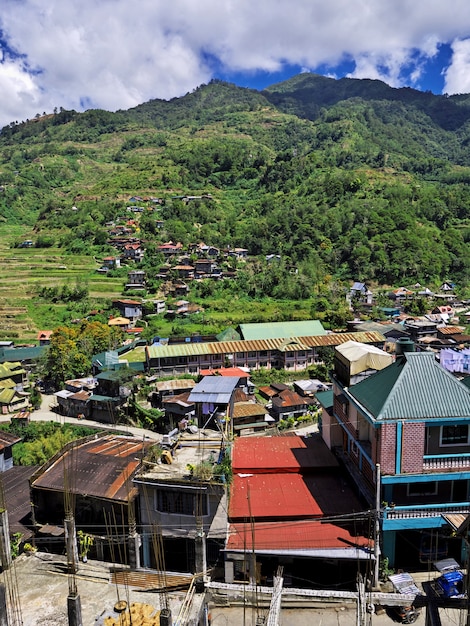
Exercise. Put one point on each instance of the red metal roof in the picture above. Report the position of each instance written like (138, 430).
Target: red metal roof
(302, 535)
(271, 496)
(225, 371)
(281, 454)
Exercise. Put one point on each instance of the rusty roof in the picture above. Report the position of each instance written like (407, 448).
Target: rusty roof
(17, 497)
(248, 409)
(98, 467)
(175, 384)
(288, 398)
(7, 439)
(254, 345)
(451, 330)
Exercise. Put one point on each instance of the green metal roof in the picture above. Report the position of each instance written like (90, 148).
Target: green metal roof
(416, 386)
(229, 334)
(325, 398)
(7, 395)
(21, 354)
(282, 330)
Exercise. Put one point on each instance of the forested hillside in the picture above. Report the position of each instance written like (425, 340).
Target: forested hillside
(349, 178)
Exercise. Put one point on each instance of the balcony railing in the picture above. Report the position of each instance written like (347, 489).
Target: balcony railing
(424, 510)
(439, 462)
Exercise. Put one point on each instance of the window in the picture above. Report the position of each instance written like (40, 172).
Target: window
(428, 488)
(251, 355)
(456, 435)
(180, 502)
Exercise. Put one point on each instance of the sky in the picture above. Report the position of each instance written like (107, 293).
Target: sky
(116, 54)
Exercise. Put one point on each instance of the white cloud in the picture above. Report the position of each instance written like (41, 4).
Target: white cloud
(457, 75)
(116, 53)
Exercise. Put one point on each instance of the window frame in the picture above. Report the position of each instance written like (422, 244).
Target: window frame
(443, 440)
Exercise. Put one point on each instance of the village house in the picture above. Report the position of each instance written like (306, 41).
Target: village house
(184, 271)
(184, 495)
(135, 280)
(359, 294)
(170, 249)
(250, 417)
(131, 309)
(296, 497)
(7, 441)
(404, 430)
(179, 410)
(419, 328)
(288, 403)
(213, 398)
(206, 268)
(112, 262)
(44, 337)
(237, 253)
(97, 471)
(13, 388)
(133, 252)
(165, 389)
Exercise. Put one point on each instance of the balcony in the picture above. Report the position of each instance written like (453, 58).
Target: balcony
(424, 510)
(445, 462)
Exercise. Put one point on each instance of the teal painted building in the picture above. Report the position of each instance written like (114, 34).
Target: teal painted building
(405, 430)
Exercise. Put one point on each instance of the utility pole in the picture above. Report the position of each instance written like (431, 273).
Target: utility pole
(377, 526)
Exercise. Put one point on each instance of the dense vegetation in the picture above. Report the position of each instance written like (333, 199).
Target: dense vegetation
(41, 440)
(346, 179)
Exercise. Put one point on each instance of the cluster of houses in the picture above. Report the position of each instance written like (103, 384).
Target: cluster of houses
(196, 261)
(394, 430)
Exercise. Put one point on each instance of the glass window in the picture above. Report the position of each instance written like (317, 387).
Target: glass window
(456, 435)
(428, 488)
(180, 502)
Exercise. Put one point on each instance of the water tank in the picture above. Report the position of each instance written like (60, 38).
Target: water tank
(403, 345)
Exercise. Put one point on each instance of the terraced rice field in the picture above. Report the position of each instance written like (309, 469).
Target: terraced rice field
(23, 271)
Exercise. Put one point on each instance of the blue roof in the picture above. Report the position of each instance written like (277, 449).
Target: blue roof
(214, 389)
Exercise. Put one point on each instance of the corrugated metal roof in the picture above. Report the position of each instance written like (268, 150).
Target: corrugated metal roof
(7, 395)
(102, 468)
(415, 387)
(248, 409)
(281, 330)
(230, 347)
(214, 389)
(301, 535)
(8, 439)
(174, 385)
(271, 496)
(281, 454)
(288, 398)
(18, 498)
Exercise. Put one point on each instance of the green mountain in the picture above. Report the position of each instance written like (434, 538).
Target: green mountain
(348, 178)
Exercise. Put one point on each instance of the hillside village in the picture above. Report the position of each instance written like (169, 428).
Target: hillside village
(364, 470)
(310, 451)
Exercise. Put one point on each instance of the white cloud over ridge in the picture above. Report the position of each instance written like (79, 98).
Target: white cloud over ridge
(116, 54)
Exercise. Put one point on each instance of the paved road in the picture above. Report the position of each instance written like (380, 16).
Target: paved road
(45, 414)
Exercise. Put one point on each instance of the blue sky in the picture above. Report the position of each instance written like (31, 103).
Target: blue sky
(115, 54)
(432, 77)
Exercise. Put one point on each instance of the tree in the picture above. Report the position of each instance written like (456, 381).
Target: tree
(71, 349)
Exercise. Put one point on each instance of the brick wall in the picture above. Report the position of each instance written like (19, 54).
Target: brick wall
(412, 448)
(387, 448)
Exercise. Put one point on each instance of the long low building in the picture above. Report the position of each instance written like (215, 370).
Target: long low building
(294, 354)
